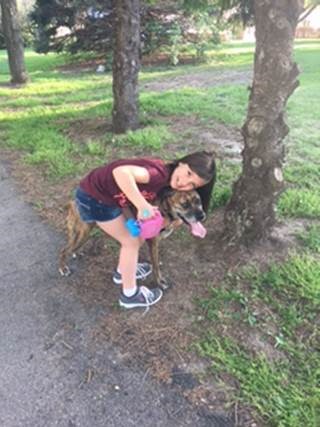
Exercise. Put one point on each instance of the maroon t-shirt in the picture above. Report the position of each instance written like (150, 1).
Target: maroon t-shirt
(100, 183)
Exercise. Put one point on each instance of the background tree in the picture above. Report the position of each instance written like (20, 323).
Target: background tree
(88, 26)
(250, 213)
(126, 65)
(24, 8)
(13, 40)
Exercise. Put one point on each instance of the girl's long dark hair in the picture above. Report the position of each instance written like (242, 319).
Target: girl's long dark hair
(204, 165)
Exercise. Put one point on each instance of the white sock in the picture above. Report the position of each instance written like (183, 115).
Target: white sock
(130, 292)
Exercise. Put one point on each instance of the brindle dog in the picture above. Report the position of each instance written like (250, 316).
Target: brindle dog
(173, 205)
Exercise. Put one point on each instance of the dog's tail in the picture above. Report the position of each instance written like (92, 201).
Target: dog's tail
(78, 233)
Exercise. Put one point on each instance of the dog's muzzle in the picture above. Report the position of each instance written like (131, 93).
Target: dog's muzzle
(199, 216)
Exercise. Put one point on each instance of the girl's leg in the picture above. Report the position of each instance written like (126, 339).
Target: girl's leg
(129, 251)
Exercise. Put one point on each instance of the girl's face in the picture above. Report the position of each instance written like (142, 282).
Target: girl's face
(184, 179)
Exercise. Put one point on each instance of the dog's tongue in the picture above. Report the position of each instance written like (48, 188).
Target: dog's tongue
(198, 230)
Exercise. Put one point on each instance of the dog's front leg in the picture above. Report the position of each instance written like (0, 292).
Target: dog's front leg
(154, 255)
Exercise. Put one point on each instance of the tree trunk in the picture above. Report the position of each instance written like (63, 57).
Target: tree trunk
(14, 42)
(126, 64)
(250, 213)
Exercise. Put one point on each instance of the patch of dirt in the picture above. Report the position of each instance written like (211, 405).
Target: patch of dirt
(156, 59)
(200, 80)
(9, 85)
(84, 130)
(87, 66)
(225, 141)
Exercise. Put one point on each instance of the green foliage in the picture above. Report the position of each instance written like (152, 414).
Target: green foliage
(155, 137)
(311, 238)
(303, 175)
(296, 202)
(57, 162)
(94, 148)
(90, 27)
(280, 306)
(44, 144)
(294, 283)
(240, 10)
(226, 175)
(174, 41)
(209, 103)
(176, 34)
(283, 395)
(24, 8)
(207, 33)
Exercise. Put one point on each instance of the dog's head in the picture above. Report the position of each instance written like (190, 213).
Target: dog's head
(184, 205)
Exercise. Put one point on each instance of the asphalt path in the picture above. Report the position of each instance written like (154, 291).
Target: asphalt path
(52, 371)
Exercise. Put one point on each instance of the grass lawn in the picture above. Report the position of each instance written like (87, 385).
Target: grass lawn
(258, 327)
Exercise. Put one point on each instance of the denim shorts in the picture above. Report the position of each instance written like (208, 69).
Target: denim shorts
(91, 210)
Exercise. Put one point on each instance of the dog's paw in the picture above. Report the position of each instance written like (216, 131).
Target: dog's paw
(165, 284)
(65, 271)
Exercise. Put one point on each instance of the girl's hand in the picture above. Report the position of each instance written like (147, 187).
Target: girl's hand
(146, 211)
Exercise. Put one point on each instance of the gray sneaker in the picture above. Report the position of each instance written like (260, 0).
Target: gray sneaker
(144, 269)
(144, 297)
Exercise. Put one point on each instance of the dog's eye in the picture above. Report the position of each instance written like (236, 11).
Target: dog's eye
(185, 205)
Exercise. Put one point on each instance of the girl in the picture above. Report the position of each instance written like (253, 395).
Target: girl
(106, 190)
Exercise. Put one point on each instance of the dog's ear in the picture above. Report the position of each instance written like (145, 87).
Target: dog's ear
(165, 193)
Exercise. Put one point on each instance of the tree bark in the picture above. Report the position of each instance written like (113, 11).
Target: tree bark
(250, 214)
(14, 42)
(126, 65)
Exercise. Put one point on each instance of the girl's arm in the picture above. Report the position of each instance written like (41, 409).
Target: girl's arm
(127, 177)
